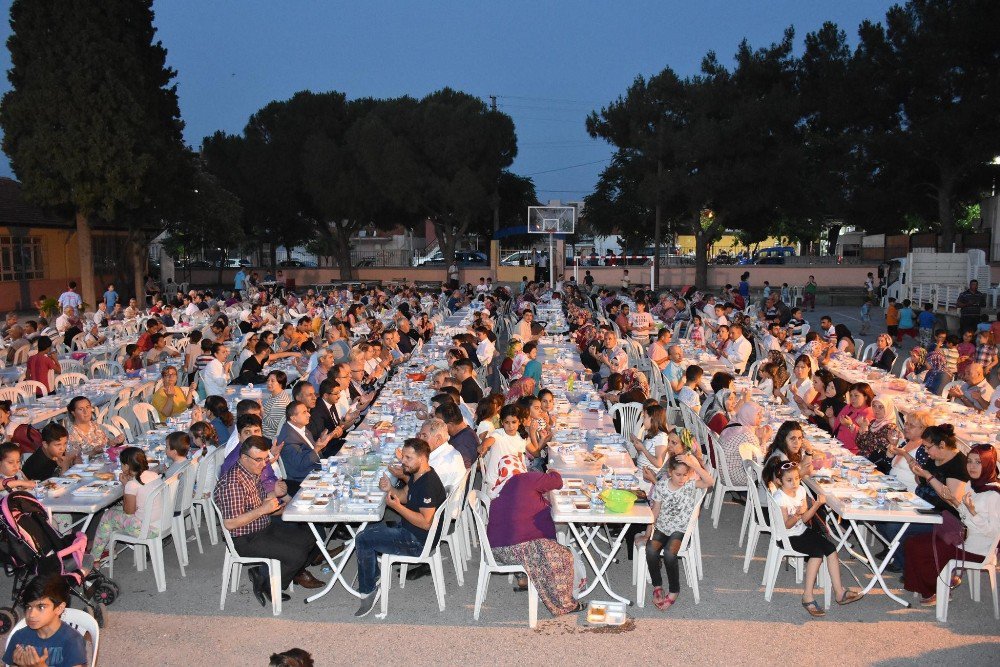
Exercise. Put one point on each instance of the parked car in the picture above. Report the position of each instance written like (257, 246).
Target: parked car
(462, 258)
(775, 255)
(297, 264)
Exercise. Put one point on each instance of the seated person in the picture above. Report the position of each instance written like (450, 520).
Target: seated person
(249, 514)
(975, 391)
(11, 477)
(176, 445)
(415, 503)
(46, 640)
(300, 452)
(460, 434)
(50, 459)
(247, 425)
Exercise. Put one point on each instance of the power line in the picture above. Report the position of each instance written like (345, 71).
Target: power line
(572, 166)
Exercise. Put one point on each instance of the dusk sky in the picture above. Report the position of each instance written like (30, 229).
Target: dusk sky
(549, 63)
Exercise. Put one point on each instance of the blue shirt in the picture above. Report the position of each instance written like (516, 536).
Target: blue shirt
(926, 319)
(672, 373)
(744, 289)
(111, 298)
(66, 646)
(239, 280)
(905, 318)
(533, 369)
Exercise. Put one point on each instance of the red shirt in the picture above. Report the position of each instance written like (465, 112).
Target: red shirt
(39, 366)
(145, 342)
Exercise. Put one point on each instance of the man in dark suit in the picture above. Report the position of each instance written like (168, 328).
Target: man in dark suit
(301, 452)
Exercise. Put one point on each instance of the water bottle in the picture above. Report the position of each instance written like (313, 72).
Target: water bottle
(864, 478)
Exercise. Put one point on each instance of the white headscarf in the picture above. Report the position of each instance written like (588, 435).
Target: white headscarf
(891, 418)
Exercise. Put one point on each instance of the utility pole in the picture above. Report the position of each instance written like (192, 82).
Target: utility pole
(496, 190)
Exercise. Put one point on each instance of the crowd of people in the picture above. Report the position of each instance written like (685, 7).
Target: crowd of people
(343, 346)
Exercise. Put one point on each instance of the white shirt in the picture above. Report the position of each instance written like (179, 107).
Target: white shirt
(987, 394)
(737, 352)
(771, 342)
(232, 443)
(690, 398)
(215, 378)
(485, 351)
(448, 464)
(99, 317)
(523, 331)
(791, 505)
(62, 323)
(192, 310)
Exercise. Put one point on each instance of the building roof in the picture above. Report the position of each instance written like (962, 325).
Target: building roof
(15, 211)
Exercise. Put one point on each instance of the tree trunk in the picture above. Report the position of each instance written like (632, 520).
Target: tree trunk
(222, 265)
(344, 255)
(136, 250)
(946, 216)
(84, 243)
(447, 239)
(657, 227)
(700, 253)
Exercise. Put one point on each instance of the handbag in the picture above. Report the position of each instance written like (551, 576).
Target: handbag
(951, 530)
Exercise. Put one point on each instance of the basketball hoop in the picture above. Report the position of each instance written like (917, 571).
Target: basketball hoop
(551, 220)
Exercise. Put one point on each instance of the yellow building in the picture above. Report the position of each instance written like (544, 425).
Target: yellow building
(39, 254)
(729, 243)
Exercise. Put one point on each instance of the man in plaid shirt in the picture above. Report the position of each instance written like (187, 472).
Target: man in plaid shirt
(247, 511)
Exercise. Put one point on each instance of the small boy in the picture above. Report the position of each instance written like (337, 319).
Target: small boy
(626, 281)
(46, 640)
(785, 294)
(938, 343)
(767, 289)
(907, 321)
(133, 358)
(925, 324)
(49, 459)
(866, 316)
(892, 318)
(984, 324)
(11, 477)
(950, 352)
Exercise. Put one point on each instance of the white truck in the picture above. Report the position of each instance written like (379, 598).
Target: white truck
(925, 276)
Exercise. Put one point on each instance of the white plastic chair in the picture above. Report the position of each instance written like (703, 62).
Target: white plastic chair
(453, 531)
(167, 493)
(80, 621)
(183, 508)
(234, 561)
(757, 522)
(106, 370)
(972, 570)
(780, 548)
(146, 417)
(70, 379)
(430, 555)
(488, 564)
(629, 413)
(859, 348)
(29, 389)
(12, 394)
(869, 351)
(689, 553)
(205, 479)
(724, 483)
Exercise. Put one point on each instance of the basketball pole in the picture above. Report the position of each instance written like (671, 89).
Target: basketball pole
(552, 262)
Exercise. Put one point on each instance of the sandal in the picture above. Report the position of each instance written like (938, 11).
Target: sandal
(518, 586)
(659, 597)
(671, 598)
(848, 597)
(929, 602)
(813, 608)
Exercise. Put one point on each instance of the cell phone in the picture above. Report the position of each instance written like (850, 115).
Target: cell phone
(927, 510)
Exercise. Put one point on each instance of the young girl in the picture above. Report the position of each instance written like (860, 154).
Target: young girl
(697, 332)
(796, 512)
(651, 449)
(503, 452)
(139, 484)
(538, 431)
(548, 406)
(133, 361)
(11, 477)
(488, 415)
(203, 436)
(673, 504)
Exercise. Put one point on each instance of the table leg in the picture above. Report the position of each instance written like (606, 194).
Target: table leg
(336, 566)
(877, 568)
(585, 546)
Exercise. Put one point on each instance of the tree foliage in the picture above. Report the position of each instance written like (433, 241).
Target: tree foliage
(91, 123)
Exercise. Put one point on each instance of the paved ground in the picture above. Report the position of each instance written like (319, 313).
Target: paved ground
(733, 623)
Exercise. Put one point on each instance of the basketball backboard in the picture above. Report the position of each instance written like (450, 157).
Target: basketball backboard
(551, 219)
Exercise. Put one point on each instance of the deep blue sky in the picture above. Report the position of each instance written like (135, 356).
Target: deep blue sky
(550, 63)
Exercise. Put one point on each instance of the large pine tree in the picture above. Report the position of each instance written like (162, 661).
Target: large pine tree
(91, 124)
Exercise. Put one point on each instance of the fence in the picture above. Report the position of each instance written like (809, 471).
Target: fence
(378, 258)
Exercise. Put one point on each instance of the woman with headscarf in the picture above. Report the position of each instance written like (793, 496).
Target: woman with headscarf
(874, 439)
(780, 374)
(845, 342)
(915, 366)
(721, 410)
(518, 388)
(507, 365)
(833, 397)
(520, 361)
(979, 511)
(742, 439)
(937, 372)
(884, 356)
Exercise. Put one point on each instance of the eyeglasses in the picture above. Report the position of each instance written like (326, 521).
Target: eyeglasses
(262, 459)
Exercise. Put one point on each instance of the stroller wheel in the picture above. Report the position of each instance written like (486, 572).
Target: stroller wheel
(104, 592)
(8, 619)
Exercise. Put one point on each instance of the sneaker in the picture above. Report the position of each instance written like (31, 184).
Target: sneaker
(367, 604)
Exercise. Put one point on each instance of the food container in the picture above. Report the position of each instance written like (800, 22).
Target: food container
(618, 501)
(606, 613)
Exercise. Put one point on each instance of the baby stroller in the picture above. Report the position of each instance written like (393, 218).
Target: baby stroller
(30, 546)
